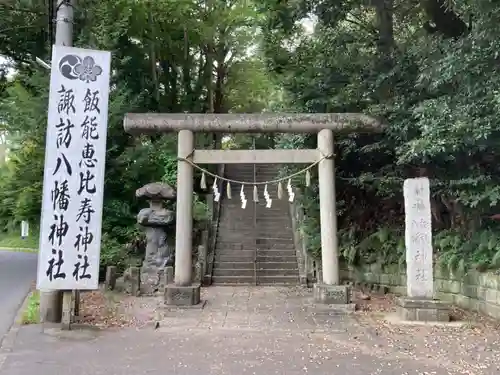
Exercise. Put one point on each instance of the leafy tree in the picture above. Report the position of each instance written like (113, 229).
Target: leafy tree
(437, 91)
(167, 56)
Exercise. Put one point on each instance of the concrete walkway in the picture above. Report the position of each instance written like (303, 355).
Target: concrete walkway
(264, 331)
(17, 273)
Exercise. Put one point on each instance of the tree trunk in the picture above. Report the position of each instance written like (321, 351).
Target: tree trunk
(385, 27)
(153, 61)
(385, 43)
(219, 88)
(189, 102)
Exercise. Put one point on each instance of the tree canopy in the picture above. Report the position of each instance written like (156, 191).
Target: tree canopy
(434, 78)
(167, 56)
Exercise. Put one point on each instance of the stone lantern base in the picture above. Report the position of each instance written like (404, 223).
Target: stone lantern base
(177, 295)
(152, 279)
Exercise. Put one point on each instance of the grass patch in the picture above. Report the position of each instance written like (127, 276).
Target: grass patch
(31, 315)
(14, 241)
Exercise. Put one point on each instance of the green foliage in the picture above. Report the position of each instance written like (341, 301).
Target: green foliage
(386, 246)
(200, 210)
(250, 88)
(114, 252)
(439, 99)
(456, 252)
(167, 56)
(32, 313)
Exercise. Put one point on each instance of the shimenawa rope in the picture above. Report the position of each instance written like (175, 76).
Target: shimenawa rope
(275, 181)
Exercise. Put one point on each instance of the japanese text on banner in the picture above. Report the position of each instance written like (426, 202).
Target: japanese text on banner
(70, 232)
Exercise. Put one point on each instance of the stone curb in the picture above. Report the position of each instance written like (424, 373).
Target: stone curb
(9, 339)
(21, 249)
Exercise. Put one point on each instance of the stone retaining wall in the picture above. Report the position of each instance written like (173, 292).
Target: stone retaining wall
(474, 291)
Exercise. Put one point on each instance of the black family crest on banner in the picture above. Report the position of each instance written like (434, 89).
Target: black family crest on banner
(74, 67)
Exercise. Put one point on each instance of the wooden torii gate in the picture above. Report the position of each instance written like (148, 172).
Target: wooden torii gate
(183, 291)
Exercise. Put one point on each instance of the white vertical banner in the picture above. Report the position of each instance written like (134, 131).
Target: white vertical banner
(70, 229)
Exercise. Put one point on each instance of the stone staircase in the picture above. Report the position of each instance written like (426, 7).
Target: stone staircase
(255, 245)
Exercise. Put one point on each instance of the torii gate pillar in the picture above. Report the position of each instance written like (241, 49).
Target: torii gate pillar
(328, 209)
(183, 292)
(329, 291)
(184, 211)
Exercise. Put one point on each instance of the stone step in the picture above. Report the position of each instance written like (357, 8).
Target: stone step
(223, 264)
(281, 225)
(234, 258)
(251, 272)
(264, 239)
(233, 280)
(273, 241)
(239, 226)
(247, 215)
(280, 258)
(235, 204)
(279, 232)
(268, 219)
(239, 219)
(223, 238)
(251, 253)
(255, 233)
(226, 236)
(251, 238)
(235, 235)
(232, 229)
(238, 264)
(221, 253)
(263, 176)
(278, 205)
(276, 252)
(260, 258)
(251, 225)
(242, 216)
(231, 247)
(250, 244)
(246, 176)
(261, 280)
(272, 217)
(276, 247)
(236, 188)
(262, 262)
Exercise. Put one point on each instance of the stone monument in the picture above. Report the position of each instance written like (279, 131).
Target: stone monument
(156, 219)
(419, 304)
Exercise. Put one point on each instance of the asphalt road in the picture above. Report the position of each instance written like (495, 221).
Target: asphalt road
(17, 273)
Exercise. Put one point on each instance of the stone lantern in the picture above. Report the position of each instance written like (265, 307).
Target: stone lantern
(156, 220)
